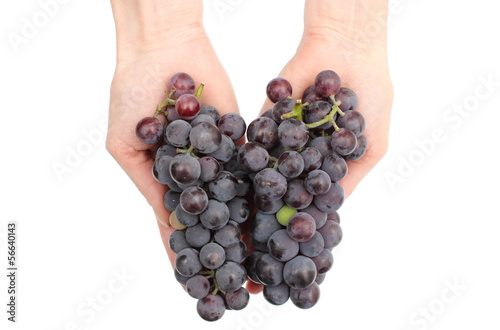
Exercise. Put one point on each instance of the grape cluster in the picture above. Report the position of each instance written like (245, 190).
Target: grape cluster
(290, 167)
(207, 202)
(296, 154)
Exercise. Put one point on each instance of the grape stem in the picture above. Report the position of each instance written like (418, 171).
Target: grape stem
(199, 91)
(274, 161)
(168, 101)
(190, 151)
(329, 118)
(297, 111)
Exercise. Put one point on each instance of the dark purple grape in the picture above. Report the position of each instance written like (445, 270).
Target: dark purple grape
(333, 216)
(187, 106)
(293, 134)
(226, 150)
(259, 246)
(310, 95)
(291, 164)
(183, 83)
(236, 252)
(322, 144)
(149, 130)
(215, 216)
(205, 137)
(270, 184)
(297, 196)
(353, 121)
(193, 200)
(332, 234)
(253, 157)
(230, 276)
(305, 298)
(323, 261)
(161, 168)
(239, 209)
(172, 114)
(202, 118)
(320, 278)
(281, 246)
(250, 265)
(301, 227)
(361, 146)
(187, 262)
(319, 216)
(232, 125)
(210, 167)
(210, 111)
(180, 278)
(332, 200)
(300, 272)
(317, 111)
(327, 83)
(171, 200)
(198, 286)
(237, 300)
(278, 88)
(267, 114)
(277, 295)
(312, 159)
(244, 183)
(212, 256)
(165, 150)
(177, 241)
(264, 131)
(348, 99)
(343, 142)
(177, 133)
(184, 218)
(228, 235)
(197, 236)
(211, 308)
(263, 226)
(224, 187)
(268, 270)
(317, 182)
(312, 247)
(335, 166)
(281, 107)
(184, 169)
(268, 206)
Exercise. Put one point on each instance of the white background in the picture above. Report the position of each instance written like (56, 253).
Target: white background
(403, 248)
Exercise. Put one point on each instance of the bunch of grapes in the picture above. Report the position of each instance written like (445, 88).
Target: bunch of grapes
(290, 169)
(297, 153)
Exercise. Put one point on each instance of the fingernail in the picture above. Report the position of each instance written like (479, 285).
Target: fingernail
(166, 225)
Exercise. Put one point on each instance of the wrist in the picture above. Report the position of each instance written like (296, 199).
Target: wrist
(145, 26)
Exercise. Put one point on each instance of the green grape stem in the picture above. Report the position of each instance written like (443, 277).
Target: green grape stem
(199, 91)
(190, 151)
(329, 117)
(168, 101)
(297, 111)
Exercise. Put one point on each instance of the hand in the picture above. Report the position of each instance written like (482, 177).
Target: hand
(350, 39)
(155, 40)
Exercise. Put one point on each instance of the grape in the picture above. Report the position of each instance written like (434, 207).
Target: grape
(301, 227)
(323, 261)
(291, 164)
(183, 83)
(312, 159)
(317, 182)
(210, 167)
(269, 271)
(267, 114)
(232, 125)
(210, 111)
(332, 234)
(293, 134)
(297, 196)
(180, 278)
(172, 219)
(333, 216)
(225, 151)
(237, 300)
(205, 137)
(253, 157)
(177, 241)
(348, 99)
(270, 184)
(300, 272)
(353, 121)
(224, 187)
(305, 298)
(184, 218)
(194, 200)
(187, 262)
(277, 295)
(319, 216)
(361, 146)
(236, 252)
(281, 246)
(250, 265)
(202, 118)
(211, 308)
(177, 133)
(284, 214)
(165, 150)
(320, 278)
(228, 235)
(172, 114)
(310, 95)
(343, 142)
(322, 144)
(316, 111)
(332, 200)
(277, 89)
(187, 106)
(244, 183)
(239, 209)
(197, 235)
(149, 130)
(268, 206)
(260, 246)
(312, 247)
(212, 256)
(281, 107)
(335, 166)
(263, 130)
(230, 276)
(161, 169)
(198, 286)
(185, 169)
(215, 216)
(263, 226)
(327, 83)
